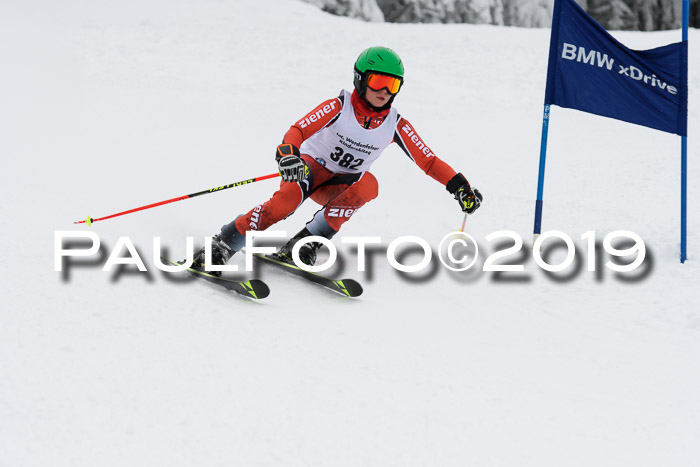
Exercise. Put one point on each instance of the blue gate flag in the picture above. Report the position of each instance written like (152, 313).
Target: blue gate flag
(590, 70)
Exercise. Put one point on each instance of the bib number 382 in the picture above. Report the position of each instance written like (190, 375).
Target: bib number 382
(345, 159)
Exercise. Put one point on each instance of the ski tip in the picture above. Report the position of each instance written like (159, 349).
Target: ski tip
(349, 287)
(257, 288)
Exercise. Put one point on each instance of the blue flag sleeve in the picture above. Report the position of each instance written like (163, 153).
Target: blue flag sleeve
(590, 70)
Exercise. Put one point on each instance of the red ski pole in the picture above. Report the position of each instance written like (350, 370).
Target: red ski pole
(90, 220)
(464, 222)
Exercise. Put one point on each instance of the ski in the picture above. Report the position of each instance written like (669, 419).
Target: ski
(253, 288)
(347, 287)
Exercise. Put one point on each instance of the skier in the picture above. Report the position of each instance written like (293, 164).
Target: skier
(326, 156)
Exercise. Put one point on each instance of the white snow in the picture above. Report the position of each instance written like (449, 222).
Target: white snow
(108, 106)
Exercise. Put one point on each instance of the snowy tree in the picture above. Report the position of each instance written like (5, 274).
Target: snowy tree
(659, 14)
(443, 11)
(427, 11)
(645, 10)
(645, 15)
(361, 9)
(478, 12)
(528, 13)
(612, 14)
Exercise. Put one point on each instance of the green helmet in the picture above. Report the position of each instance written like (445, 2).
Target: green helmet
(379, 59)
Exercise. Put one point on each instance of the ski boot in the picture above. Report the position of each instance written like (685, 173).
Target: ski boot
(220, 254)
(307, 252)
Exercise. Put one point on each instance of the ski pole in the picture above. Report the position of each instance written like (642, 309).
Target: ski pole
(464, 222)
(90, 220)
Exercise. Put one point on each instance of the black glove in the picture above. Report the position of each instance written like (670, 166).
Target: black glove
(469, 199)
(291, 167)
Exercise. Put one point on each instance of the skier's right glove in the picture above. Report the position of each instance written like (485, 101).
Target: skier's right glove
(291, 167)
(469, 199)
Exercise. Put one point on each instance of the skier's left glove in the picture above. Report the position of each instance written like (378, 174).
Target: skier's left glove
(291, 167)
(469, 199)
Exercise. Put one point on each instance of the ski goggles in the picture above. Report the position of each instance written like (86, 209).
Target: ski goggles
(378, 82)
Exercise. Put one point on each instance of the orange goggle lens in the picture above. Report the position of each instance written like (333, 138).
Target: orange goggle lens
(378, 82)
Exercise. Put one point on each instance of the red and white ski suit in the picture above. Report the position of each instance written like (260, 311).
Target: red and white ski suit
(339, 179)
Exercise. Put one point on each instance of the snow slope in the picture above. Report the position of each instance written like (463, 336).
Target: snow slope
(109, 106)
